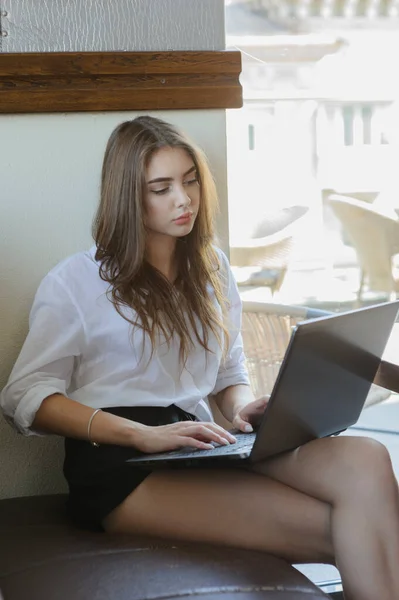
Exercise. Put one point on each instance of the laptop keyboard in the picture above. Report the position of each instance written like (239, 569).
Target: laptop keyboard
(244, 442)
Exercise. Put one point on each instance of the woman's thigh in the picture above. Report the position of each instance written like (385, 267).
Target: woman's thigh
(333, 468)
(232, 507)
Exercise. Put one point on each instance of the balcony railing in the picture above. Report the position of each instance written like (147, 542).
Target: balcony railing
(354, 12)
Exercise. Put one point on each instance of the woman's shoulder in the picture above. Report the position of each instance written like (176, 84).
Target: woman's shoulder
(222, 257)
(73, 277)
(227, 277)
(223, 265)
(75, 267)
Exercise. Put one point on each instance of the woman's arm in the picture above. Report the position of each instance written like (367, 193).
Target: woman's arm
(238, 405)
(232, 391)
(35, 397)
(62, 416)
(232, 400)
(45, 365)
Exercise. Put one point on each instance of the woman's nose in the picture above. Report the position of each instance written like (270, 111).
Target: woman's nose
(182, 198)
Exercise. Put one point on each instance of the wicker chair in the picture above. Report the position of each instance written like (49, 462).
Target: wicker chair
(269, 249)
(375, 237)
(266, 330)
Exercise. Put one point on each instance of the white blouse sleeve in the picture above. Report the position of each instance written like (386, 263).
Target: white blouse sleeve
(232, 370)
(45, 364)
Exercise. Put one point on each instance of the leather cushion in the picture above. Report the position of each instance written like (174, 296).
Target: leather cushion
(43, 556)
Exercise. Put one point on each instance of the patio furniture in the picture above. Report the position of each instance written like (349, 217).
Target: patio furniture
(375, 237)
(267, 252)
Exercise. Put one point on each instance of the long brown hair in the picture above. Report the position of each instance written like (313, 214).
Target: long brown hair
(120, 236)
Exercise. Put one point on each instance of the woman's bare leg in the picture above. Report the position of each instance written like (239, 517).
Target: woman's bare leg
(334, 499)
(355, 476)
(230, 507)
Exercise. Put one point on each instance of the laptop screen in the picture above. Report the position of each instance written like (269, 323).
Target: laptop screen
(326, 375)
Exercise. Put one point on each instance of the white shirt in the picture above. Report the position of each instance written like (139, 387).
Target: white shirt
(78, 345)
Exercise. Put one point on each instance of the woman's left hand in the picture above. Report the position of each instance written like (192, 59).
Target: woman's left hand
(250, 415)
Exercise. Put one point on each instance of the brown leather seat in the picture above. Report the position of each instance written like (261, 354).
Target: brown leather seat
(43, 557)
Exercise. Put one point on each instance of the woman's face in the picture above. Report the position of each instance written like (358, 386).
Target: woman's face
(172, 193)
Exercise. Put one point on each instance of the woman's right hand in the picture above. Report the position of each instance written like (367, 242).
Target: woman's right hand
(196, 434)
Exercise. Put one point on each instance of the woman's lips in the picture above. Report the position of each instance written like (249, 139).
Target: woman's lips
(183, 219)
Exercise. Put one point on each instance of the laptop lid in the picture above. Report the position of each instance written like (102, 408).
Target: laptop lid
(325, 377)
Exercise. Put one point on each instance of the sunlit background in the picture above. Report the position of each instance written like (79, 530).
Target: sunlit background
(313, 154)
(313, 167)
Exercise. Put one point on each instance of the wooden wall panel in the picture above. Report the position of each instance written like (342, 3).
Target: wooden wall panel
(102, 81)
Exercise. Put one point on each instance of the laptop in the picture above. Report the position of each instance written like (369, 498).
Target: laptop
(322, 384)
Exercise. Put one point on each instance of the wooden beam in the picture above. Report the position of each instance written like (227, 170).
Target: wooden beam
(112, 81)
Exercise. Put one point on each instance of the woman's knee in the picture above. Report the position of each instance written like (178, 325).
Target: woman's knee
(364, 467)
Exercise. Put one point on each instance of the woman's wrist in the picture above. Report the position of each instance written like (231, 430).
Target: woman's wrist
(133, 433)
(238, 406)
(233, 399)
(107, 428)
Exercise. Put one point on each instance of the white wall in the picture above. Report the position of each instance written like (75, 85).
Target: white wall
(106, 25)
(49, 174)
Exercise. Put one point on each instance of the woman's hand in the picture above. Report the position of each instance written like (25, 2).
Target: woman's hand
(250, 415)
(197, 434)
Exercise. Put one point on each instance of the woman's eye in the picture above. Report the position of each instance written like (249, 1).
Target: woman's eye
(191, 181)
(162, 191)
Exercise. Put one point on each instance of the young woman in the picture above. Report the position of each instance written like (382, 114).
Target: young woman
(127, 342)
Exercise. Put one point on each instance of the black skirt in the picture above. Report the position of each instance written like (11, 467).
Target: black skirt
(99, 479)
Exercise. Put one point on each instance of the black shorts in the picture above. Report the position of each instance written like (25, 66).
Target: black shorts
(99, 479)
